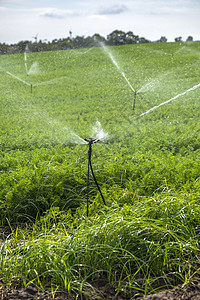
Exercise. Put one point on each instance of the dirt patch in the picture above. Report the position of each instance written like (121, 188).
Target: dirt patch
(29, 293)
(101, 291)
(190, 291)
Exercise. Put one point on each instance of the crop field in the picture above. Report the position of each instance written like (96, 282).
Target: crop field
(143, 102)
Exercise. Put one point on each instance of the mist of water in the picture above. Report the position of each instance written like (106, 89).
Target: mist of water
(193, 51)
(75, 138)
(34, 69)
(128, 81)
(79, 53)
(60, 133)
(147, 86)
(98, 132)
(117, 66)
(66, 135)
(25, 60)
(161, 52)
(179, 50)
(163, 103)
(18, 78)
(55, 130)
(52, 81)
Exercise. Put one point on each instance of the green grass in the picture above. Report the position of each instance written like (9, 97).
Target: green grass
(147, 236)
(132, 246)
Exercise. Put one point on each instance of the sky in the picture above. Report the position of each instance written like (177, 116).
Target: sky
(47, 20)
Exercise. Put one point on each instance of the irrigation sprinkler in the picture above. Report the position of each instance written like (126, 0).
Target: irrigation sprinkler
(135, 94)
(90, 142)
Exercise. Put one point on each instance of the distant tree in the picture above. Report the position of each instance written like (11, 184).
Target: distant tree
(66, 44)
(117, 37)
(3, 48)
(21, 46)
(130, 38)
(178, 39)
(163, 39)
(98, 39)
(143, 40)
(79, 42)
(41, 46)
(189, 38)
(89, 42)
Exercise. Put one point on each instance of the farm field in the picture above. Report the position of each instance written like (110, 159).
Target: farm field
(142, 102)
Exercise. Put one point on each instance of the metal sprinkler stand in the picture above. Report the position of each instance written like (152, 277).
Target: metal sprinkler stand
(90, 142)
(135, 94)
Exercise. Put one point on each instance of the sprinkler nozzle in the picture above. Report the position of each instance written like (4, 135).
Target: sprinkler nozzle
(91, 140)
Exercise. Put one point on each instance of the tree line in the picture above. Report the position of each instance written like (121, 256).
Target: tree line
(117, 37)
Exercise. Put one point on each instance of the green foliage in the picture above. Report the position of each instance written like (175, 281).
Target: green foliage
(71, 91)
(148, 168)
(152, 238)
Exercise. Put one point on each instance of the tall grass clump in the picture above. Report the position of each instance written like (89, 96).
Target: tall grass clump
(149, 245)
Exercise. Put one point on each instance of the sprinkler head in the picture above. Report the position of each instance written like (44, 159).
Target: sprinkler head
(92, 141)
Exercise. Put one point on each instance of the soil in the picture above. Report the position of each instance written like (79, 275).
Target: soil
(105, 292)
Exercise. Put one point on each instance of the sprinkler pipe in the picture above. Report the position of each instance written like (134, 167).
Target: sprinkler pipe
(90, 142)
(135, 94)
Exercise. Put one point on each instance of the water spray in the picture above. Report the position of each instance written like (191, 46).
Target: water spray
(25, 62)
(122, 73)
(18, 78)
(90, 142)
(134, 91)
(168, 101)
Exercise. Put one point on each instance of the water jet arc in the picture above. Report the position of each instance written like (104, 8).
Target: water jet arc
(163, 103)
(117, 66)
(18, 78)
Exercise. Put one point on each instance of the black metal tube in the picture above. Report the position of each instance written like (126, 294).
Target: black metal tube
(88, 178)
(96, 182)
(90, 142)
(135, 94)
(88, 186)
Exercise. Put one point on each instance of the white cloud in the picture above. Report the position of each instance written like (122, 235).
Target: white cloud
(175, 10)
(56, 13)
(97, 17)
(21, 19)
(112, 10)
(2, 8)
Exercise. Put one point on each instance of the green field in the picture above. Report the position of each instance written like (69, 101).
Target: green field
(146, 237)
